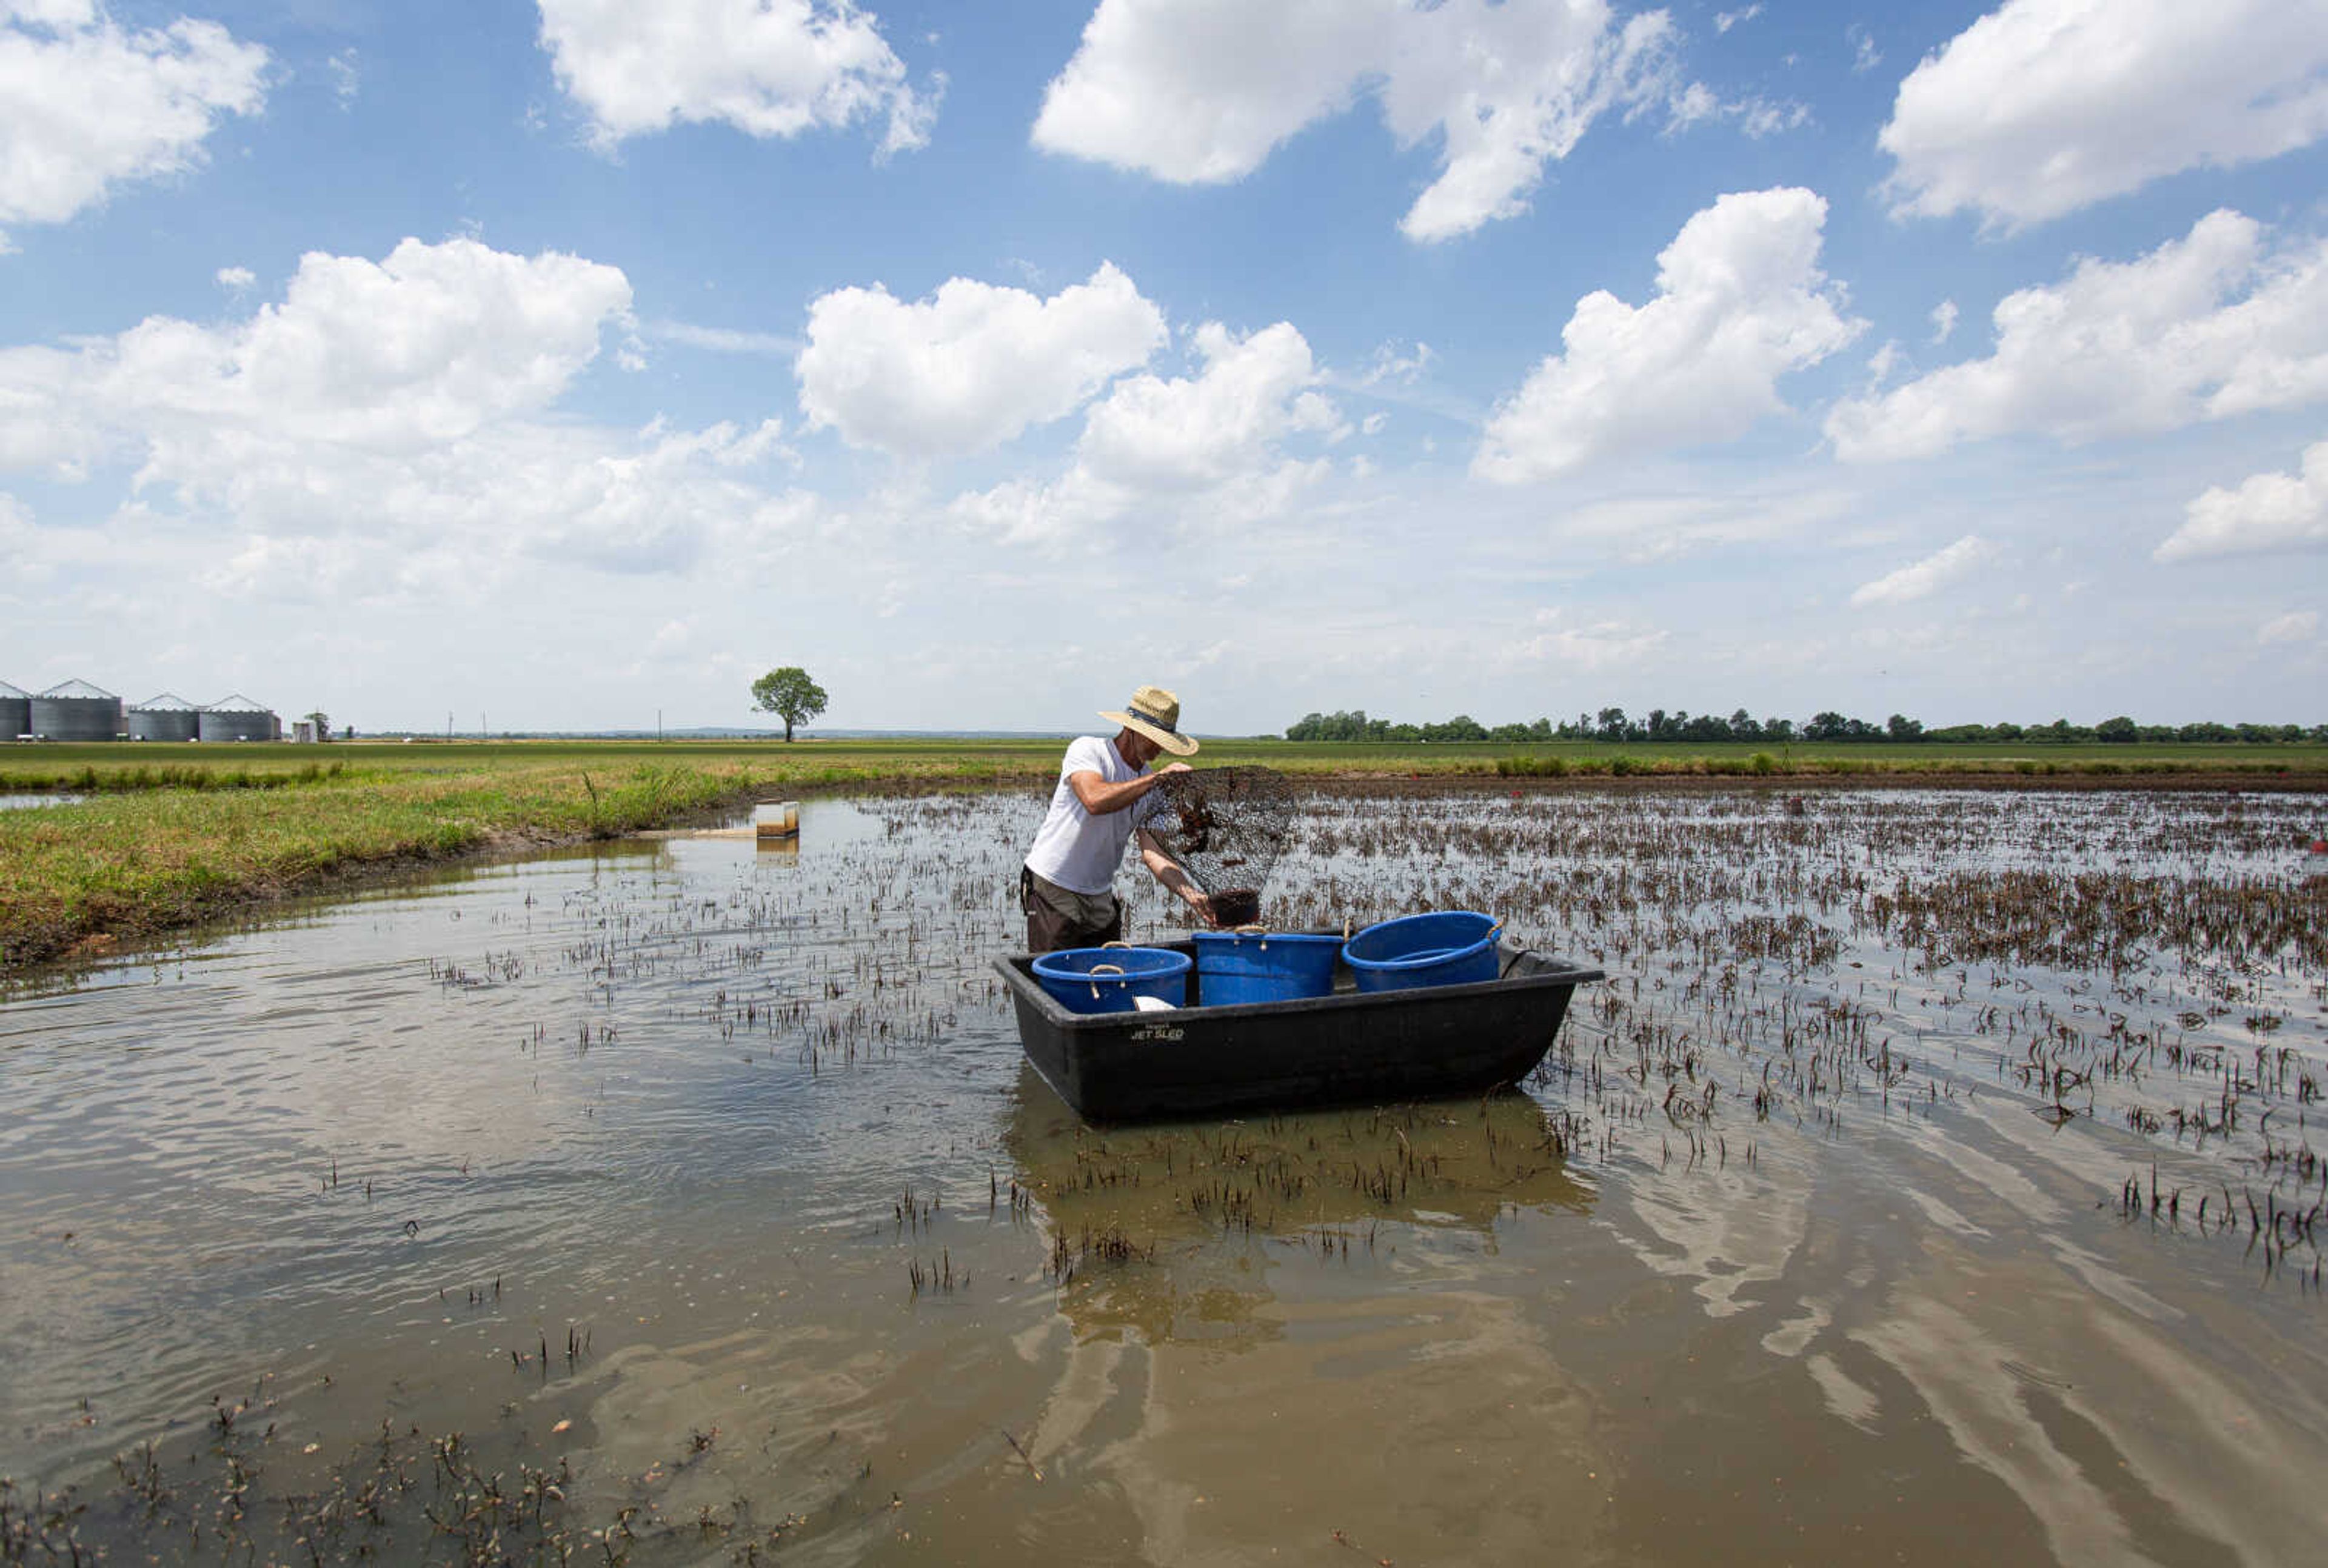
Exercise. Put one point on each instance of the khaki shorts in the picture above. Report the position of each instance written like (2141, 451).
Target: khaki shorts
(1059, 917)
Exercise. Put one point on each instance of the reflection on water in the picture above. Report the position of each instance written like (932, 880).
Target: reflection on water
(705, 1187)
(1175, 1231)
(12, 802)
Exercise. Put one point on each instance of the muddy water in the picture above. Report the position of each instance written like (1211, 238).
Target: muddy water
(701, 1190)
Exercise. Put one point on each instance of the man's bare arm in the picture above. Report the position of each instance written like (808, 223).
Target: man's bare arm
(1162, 867)
(1100, 798)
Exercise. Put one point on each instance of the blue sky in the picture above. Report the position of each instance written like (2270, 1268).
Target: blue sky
(571, 364)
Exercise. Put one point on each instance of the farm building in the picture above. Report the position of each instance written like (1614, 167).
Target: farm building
(165, 717)
(76, 711)
(238, 717)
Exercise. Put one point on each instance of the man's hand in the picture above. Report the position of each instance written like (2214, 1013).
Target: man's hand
(1175, 768)
(1202, 903)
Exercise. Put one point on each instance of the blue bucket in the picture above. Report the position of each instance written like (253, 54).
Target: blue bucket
(1234, 967)
(1106, 980)
(1455, 947)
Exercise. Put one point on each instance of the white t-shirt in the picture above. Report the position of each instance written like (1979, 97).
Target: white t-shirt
(1074, 849)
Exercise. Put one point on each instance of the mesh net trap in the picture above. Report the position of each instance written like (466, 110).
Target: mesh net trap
(1225, 827)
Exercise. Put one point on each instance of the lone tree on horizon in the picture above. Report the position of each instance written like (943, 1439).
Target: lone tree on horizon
(789, 693)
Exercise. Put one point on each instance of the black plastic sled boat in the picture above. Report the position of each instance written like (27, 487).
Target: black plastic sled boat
(1350, 1048)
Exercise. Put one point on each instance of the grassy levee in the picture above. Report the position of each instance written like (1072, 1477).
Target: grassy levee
(104, 768)
(139, 857)
(172, 835)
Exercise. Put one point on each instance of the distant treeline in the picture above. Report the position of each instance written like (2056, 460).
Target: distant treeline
(1613, 724)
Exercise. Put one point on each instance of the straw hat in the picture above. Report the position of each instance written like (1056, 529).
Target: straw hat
(1156, 714)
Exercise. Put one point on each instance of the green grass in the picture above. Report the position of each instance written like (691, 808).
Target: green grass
(88, 768)
(175, 834)
(150, 856)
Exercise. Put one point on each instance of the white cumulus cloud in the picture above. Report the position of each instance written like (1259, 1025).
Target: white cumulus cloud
(768, 68)
(1193, 433)
(1923, 579)
(1214, 440)
(2266, 511)
(428, 345)
(85, 105)
(973, 365)
(1198, 92)
(1740, 301)
(385, 416)
(2204, 327)
(2042, 107)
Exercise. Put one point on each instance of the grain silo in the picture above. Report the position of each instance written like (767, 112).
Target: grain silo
(237, 718)
(76, 710)
(165, 717)
(15, 712)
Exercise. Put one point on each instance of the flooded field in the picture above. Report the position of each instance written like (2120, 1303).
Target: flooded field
(1932, 1180)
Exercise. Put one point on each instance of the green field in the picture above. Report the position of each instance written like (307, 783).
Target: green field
(171, 835)
(120, 765)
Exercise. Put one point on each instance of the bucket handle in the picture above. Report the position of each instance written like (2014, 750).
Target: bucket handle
(1125, 946)
(1254, 930)
(1105, 969)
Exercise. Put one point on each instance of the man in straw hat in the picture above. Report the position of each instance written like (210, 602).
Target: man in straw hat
(1067, 886)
